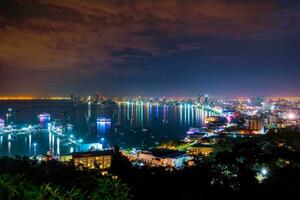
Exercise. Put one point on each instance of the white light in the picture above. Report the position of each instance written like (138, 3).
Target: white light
(264, 171)
(291, 116)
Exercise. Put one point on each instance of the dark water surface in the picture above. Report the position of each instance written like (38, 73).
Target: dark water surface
(131, 125)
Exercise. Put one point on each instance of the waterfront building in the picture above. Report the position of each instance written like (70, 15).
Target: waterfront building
(216, 121)
(164, 158)
(92, 160)
(90, 147)
(1, 123)
(201, 149)
(44, 117)
(65, 158)
(132, 155)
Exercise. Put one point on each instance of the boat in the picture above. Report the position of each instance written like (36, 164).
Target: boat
(69, 126)
(44, 117)
(103, 120)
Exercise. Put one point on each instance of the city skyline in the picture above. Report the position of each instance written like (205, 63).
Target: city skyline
(148, 48)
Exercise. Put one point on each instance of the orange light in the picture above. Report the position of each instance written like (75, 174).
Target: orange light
(32, 98)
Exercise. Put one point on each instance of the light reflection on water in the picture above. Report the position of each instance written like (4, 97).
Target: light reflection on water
(131, 125)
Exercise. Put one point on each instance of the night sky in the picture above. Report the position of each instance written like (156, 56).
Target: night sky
(152, 48)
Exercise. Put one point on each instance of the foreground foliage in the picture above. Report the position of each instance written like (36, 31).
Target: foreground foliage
(16, 187)
(237, 167)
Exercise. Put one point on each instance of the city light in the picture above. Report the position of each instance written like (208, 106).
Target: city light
(264, 171)
(262, 174)
(44, 117)
(34, 148)
(291, 116)
(1, 123)
(159, 99)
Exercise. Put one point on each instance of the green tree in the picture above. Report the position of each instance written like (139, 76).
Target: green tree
(10, 186)
(110, 189)
(45, 192)
(74, 194)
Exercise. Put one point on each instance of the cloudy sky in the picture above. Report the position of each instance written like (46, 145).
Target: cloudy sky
(170, 47)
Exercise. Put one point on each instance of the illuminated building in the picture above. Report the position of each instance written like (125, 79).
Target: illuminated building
(199, 149)
(216, 121)
(44, 157)
(206, 100)
(202, 99)
(164, 158)
(65, 158)
(44, 117)
(90, 147)
(270, 121)
(197, 134)
(258, 101)
(92, 160)
(254, 125)
(1, 123)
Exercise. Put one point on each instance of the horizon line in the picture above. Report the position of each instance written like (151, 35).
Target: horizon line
(69, 98)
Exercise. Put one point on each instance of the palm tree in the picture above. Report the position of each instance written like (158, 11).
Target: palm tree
(45, 192)
(110, 189)
(10, 186)
(74, 194)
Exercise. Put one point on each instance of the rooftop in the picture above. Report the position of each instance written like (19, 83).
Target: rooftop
(92, 154)
(202, 145)
(165, 153)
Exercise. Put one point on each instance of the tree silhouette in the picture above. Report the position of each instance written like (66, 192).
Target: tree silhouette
(10, 186)
(110, 189)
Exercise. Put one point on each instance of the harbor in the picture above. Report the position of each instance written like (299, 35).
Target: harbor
(61, 130)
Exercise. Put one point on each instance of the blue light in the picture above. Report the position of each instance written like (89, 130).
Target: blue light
(264, 171)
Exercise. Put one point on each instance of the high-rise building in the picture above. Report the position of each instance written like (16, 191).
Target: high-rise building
(258, 101)
(254, 124)
(203, 99)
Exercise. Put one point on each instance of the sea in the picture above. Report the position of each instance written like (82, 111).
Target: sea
(132, 125)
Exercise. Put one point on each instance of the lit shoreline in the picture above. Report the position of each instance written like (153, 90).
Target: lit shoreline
(34, 98)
